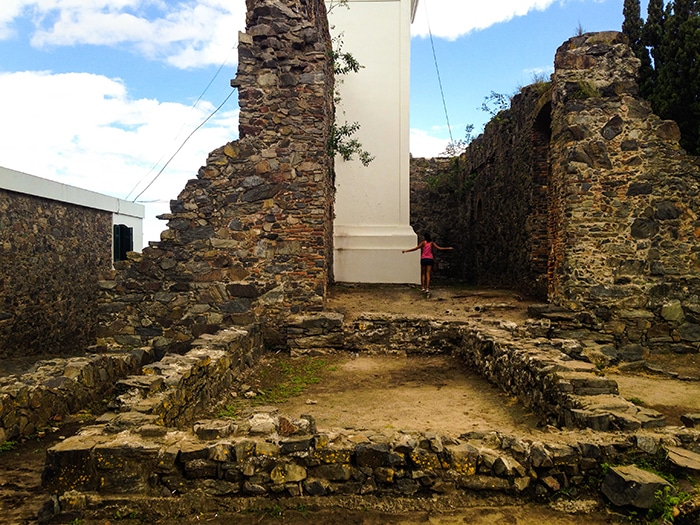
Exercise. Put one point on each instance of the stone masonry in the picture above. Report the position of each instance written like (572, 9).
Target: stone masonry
(249, 240)
(154, 452)
(579, 195)
(50, 253)
(625, 201)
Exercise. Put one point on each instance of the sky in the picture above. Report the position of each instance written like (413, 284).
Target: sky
(127, 97)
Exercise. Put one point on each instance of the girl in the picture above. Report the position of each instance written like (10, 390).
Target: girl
(427, 260)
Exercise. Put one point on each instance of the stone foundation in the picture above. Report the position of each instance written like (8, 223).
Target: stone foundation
(155, 447)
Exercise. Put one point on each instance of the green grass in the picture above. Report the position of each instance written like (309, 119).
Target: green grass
(7, 446)
(292, 379)
(281, 381)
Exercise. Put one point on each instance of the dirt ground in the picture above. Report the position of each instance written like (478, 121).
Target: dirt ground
(387, 393)
(658, 390)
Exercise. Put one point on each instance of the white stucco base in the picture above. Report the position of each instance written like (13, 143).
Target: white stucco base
(372, 254)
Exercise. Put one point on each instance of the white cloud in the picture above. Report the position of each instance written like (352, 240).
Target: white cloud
(451, 19)
(184, 34)
(85, 130)
(422, 144)
(538, 72)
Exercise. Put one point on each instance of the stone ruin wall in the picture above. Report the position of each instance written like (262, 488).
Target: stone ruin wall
(581, 196)
(489, 203)
(49, 254)
(250, 239)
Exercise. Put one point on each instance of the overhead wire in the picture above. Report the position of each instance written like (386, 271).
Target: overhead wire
(183, 144)
(437, 69)
(221, 66)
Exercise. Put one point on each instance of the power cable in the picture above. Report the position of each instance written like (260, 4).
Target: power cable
(235, 45)
(183, 144)
(437, 69)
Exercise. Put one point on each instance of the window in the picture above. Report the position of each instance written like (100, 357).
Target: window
(123, 241)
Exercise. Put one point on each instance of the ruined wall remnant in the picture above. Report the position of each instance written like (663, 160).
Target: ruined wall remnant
(581, 195)
(50, 253)
(625, 240)
(251, 238)
(491, 202)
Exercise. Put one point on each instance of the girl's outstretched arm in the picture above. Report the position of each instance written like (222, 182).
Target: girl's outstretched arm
(420, 245)
(441, 248)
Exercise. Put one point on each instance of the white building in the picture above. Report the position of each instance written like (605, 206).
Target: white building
(126, 216)
(372, 203)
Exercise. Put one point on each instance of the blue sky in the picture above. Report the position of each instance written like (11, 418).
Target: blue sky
(100, 94)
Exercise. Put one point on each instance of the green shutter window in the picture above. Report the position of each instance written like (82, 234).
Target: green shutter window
(123, 241)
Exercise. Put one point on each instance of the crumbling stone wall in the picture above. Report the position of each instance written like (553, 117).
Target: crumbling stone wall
(50, 253)
(249, 240)
(489, 201)
(153, 447)
(580, 195)
(625, 239)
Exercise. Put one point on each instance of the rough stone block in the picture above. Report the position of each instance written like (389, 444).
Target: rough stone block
(633, 486)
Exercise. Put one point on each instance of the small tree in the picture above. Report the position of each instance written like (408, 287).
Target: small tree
(632, 27)
(456, 147)
(342, 140)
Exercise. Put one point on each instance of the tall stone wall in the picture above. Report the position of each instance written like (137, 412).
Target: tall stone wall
(625, 201)
(249, 240)
(579, 194)
(50, 253)
(491, 202)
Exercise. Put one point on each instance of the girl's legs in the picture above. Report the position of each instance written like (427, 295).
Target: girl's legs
(423, 276)
(428, 268)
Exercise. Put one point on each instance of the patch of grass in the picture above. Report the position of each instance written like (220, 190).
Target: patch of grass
(7, 446)
(637, 401)
(585, 90)
(293, 377)
(277, 383)
(229, 411)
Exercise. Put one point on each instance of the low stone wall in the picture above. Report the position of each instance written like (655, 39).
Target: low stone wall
(270, 454)
(146, 388)
(174, 390)
(566, 392)
(153, 447)
(59, 387)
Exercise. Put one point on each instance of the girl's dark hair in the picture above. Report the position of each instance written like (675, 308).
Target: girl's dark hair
(428, 237)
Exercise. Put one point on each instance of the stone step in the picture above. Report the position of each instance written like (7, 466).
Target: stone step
(583, 384)
(610, 412)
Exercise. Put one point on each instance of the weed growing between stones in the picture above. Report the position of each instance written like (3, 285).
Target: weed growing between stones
(7, 446)
(585, 90)
(667, 501)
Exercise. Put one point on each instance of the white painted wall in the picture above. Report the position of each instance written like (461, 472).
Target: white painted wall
(372, 203)
(123, 212)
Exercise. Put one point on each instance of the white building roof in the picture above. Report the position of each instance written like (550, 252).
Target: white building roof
(30, 185)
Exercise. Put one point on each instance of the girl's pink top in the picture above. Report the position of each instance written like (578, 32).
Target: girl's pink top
(427, 251)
